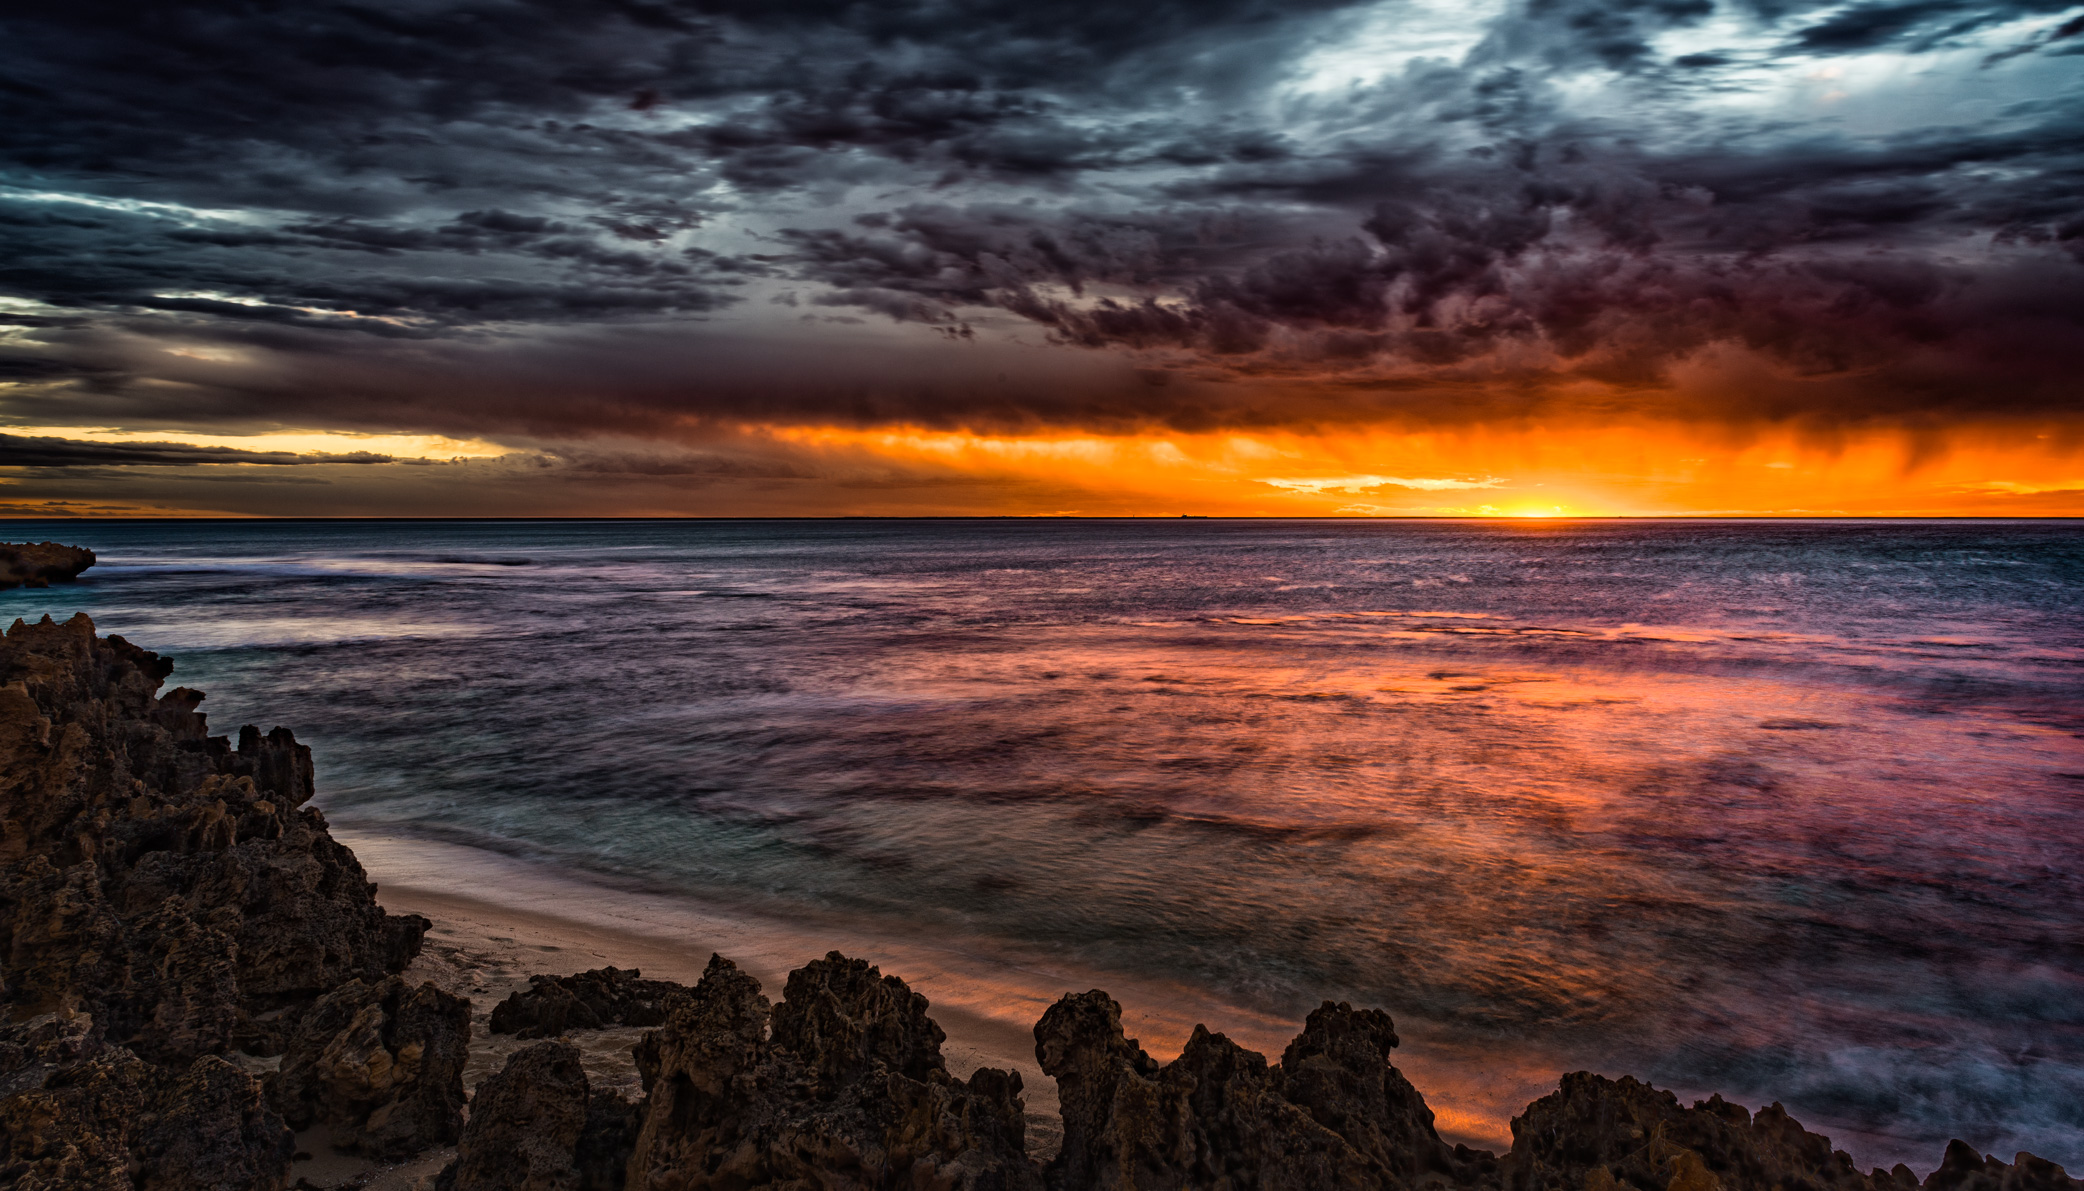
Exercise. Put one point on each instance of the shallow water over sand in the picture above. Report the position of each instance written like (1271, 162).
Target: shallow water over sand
(1789, 811)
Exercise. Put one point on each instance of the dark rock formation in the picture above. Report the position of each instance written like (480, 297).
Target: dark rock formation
(608, 1140)
(211, 1129)
(1338, 1071)
(1335, 1114)
(553, 1005)
(536, 1126)
(842, 1084)
(77, 1113)
(155, 877)
(165, 897)
(40, 564)
(381, 1063)
(1965, 1170)
(525, 1125)
(1600, 1134)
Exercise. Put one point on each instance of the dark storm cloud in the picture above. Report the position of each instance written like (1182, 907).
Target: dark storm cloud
(505, 216)
(1920, 22)
(364, 93)
(1614, 33)
(1609, 270)
(315, 272)
(20, 451)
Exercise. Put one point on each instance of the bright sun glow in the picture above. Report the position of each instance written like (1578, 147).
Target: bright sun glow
(1484, 472)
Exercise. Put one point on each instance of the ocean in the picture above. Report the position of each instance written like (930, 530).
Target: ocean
(1792, 811)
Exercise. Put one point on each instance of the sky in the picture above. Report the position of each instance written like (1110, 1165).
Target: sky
(982, 257)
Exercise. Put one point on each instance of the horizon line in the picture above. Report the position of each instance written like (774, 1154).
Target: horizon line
(224, 519)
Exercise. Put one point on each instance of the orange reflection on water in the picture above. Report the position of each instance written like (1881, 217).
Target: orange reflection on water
(1536, 864)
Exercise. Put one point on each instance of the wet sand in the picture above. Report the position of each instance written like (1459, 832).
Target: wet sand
(486, 952)
(486, 947)
(497, 921)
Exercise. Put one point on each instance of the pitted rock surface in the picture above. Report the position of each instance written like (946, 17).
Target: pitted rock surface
(538, 1126)
(165, 898)
(40, 564)
(841, 1085)
(1334, 1114)
(381, 1063)
(525, 1125)
(603, 997)
(1604, 1134)
(77, 1113)
(172, 886)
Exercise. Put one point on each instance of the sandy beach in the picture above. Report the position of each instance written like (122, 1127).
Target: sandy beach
(492, 932)
(499, 920)
(487, 952)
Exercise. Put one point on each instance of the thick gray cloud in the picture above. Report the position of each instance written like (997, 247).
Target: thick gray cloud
(45, 451)
(546, 219)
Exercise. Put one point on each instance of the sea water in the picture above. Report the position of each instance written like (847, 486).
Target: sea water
(1791, 811)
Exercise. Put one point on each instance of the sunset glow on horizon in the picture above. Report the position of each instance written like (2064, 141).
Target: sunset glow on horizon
(1621, 472)
(896, 471)
(1343, 258)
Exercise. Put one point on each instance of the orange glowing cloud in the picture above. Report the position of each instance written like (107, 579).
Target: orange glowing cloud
(1526, 471)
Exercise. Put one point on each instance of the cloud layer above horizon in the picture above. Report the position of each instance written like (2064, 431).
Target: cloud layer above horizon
(660, 244)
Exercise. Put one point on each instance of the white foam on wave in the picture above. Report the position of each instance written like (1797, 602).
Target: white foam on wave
(252, 632)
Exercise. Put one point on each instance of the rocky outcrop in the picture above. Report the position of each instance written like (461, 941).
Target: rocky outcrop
(77, 1113)
(537, 1126)
(1600, 1134)
(610, 1136)
(40, 564)
(553, 1005)
(842, 1084)
(167, 897)
(1335, 1114)
(1338, 1071)
(381, 1064)
(525, 1125)
(1963, 1169)
(171, 885)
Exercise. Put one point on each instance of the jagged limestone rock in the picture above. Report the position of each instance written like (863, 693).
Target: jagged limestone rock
(842, 1084)
(380, 1063)
(174, 891)
(172, 886)
(1338, 1071)
(1333, 1114)
(1599, 1134)
(1963, 1169)
(538, 1126)
(40, 564)
(78, 1113)
(525, 1125)
(212, 1130)
(603, 997)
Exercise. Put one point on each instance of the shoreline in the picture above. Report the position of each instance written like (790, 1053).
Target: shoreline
(488, 951)
(500, 919)
(301, 1015)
